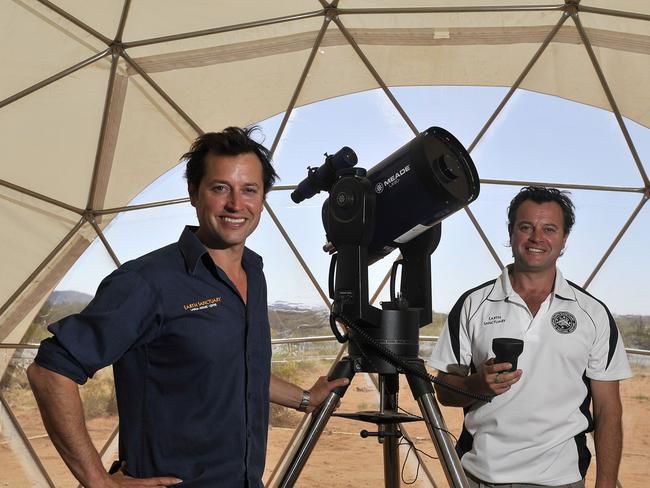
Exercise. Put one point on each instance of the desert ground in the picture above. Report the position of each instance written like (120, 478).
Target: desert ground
(341, 457)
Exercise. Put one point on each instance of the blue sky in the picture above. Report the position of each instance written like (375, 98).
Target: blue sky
(537, 138)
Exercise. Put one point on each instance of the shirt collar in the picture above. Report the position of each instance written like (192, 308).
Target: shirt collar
(191, 248)
(562, 288)
(193, 251)
(503, 288)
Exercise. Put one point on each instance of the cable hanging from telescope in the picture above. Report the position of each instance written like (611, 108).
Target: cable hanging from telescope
(396, 361)
(405, 441)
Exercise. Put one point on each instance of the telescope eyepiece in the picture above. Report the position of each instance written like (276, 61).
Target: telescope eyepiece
(323, 177)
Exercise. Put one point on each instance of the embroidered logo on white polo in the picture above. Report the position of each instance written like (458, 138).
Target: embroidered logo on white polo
(564, 322)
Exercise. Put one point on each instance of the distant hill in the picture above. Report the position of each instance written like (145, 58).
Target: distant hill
(69, 296)
(293, 320)
(59, 304)
(296, 307)
(297, 320)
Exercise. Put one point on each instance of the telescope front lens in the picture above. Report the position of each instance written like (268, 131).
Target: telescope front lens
(449, 165)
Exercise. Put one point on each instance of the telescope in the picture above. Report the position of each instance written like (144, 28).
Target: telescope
(397, 204)
(417, 186)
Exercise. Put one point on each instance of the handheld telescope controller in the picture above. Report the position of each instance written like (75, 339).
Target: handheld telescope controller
(507, 350)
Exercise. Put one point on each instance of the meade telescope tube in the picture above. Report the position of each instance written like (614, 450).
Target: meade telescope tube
(416, 187)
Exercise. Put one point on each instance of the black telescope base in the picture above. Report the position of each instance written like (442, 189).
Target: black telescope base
(388, 420)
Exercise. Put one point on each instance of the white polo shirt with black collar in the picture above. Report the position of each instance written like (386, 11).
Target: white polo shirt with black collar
(535, 432)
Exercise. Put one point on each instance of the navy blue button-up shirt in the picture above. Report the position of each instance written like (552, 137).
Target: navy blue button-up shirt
(191, 362)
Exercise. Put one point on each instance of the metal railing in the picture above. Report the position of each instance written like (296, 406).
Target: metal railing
(299, 340)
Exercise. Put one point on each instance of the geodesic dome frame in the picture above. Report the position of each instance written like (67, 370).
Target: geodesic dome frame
(98, 98)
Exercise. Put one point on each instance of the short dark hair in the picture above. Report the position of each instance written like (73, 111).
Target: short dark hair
(540, 194)
(232, 141)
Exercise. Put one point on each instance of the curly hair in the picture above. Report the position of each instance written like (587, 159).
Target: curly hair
(540, 194)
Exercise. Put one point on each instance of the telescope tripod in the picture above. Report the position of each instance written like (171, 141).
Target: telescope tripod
(387, 419)
(350, 221)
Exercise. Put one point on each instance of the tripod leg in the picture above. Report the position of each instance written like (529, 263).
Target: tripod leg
(320, 417)
(423, 392)
(388, 390)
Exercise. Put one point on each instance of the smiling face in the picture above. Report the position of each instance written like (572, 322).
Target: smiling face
(538, 236)
(229, 200)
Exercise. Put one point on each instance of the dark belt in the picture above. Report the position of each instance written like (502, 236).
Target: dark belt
(497, 485)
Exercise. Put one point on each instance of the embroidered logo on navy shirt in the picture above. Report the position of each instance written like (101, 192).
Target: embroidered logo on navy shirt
(207, 303)
(564, 322)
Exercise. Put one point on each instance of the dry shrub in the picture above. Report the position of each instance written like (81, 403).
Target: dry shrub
(98, 395)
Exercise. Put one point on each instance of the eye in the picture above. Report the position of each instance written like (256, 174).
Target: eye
(550, 230)
(251, 190)
(220, 188)
(525, 227)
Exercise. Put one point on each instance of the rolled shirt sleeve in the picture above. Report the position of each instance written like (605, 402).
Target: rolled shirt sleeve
(124, 314)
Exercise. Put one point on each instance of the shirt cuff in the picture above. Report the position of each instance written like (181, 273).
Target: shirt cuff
(53, 356)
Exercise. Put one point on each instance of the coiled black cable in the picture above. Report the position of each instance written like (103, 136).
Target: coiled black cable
(396, 361)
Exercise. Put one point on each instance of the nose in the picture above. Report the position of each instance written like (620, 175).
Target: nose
(536, 234)
(234, 201)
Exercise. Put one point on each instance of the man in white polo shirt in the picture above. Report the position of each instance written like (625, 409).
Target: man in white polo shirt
(533, 430)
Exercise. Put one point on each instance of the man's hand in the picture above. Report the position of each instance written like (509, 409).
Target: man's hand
(289, 395)
(122, 481)
(493, 378)
(321, 390)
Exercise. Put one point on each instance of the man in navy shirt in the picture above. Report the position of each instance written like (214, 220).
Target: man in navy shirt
(186, 330)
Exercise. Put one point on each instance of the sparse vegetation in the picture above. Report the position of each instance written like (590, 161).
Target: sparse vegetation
(362, 406)
(98, 395)
(287, 370)
(290, 360)
(290, 371)
(435, 327)
(635, 330)
(15, 387)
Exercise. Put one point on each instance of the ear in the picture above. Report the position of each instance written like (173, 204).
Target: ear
(192, 192)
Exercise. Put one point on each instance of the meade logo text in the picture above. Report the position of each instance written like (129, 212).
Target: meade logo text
(394, 179)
